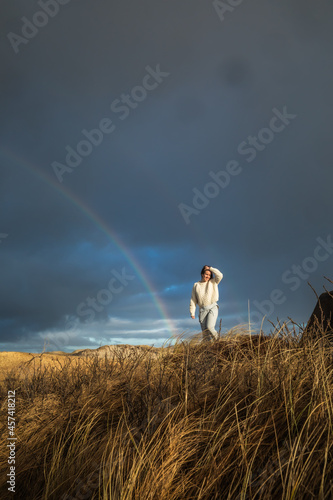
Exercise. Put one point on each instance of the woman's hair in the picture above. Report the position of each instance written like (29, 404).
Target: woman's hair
(203, 272)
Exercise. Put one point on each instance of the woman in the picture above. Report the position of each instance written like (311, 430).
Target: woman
(205, 294)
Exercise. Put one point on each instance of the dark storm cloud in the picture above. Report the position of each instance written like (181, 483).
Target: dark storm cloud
(223, 81)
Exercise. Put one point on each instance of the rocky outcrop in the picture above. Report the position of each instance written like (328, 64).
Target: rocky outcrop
(321, 319)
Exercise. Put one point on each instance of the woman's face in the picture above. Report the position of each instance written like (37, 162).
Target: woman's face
(206, 276)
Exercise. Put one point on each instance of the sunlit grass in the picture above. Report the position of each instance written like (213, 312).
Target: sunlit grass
(244, 417)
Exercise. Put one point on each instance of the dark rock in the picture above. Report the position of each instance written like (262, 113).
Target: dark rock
(321, 319)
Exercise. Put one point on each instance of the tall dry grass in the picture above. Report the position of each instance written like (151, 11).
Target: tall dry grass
(242, 418)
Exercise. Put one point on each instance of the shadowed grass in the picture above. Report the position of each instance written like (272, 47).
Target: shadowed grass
(244, 417)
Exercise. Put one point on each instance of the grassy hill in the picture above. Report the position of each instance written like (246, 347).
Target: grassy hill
(244, 417)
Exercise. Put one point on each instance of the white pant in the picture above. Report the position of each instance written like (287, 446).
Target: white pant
(207, 317)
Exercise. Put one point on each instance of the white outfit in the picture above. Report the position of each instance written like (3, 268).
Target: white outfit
(205, 295)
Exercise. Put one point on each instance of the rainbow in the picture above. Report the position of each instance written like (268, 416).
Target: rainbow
(99, 223)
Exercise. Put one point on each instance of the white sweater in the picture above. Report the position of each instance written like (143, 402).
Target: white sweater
(205, 293)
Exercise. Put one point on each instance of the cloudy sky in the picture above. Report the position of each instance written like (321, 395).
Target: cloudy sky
(142, 140)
